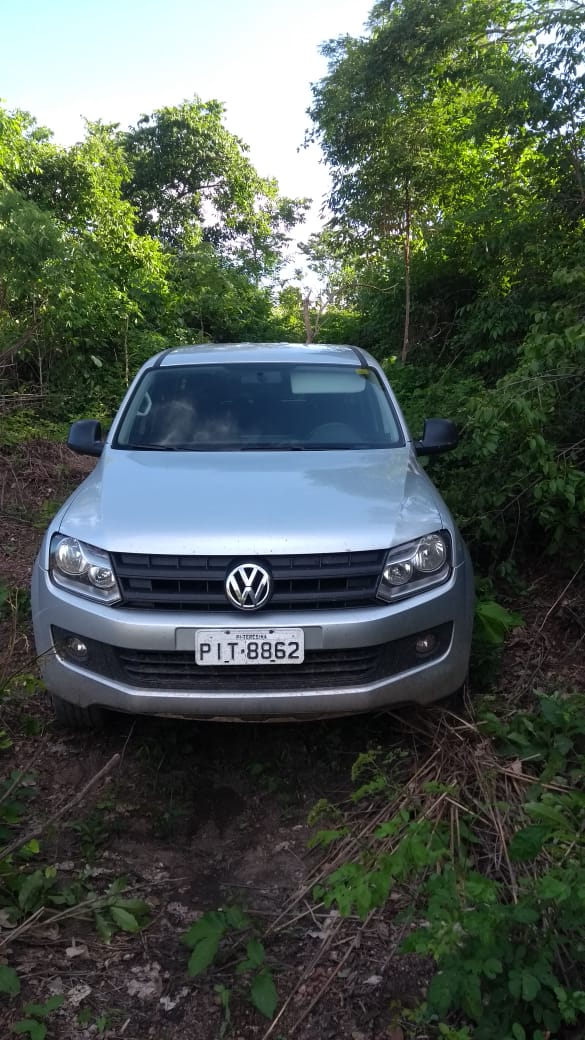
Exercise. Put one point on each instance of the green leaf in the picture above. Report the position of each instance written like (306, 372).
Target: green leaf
(209, 925)
(36, 1030)
(42, 1010)
(235, 918)
(550, 813)
(553, 889)
(471, 997)
(515, 983)
(518, 1031)
(104, 928)
(135, 906)
(118, 886)
(256, 953)
(203, 955)
(31, 847)
(552, 711)
(442, 990)
(525, 914)
(9, 980)
(493, 621)
(530, 985)
(492, 967)
(528, 842)
(263, 993)
(125, 920)
(30, 889)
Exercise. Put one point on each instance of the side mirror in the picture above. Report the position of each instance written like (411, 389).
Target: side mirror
(85, 437)
(439, 435)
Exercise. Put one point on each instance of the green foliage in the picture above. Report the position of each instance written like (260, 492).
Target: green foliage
(16, 791)
(263, 993)
(26, 425)
(9, 981)
(374, 769)
(112, 912)
(364, 886)
(96, 827)
(492, 624)
(24, 891)
(34, 1025)
(223, 995)
(551, 738)
(520, 448)
(101, 1023)
(205, 938)
(183, 161)
(498, 962)
(109, 253)
(509, 957)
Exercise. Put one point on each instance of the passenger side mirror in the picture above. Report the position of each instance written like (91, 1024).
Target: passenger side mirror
(439, 435)
(85, 437)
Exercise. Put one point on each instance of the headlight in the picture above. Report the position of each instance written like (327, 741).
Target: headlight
(83, 569)
(416, 566)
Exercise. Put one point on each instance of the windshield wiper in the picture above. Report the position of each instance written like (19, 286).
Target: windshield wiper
(271, 446)
(157, 447)
(274, 446)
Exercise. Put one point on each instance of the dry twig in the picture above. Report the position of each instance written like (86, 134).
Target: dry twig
(40, 828)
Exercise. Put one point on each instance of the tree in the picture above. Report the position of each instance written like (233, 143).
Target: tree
(326, 283)
(94, 277)
(407, 117)
(191, 180)
(76, 281)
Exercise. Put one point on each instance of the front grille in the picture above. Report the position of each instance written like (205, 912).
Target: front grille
(196, 583)
(321, 669)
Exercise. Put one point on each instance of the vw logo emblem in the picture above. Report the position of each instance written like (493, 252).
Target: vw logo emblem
(248, 586)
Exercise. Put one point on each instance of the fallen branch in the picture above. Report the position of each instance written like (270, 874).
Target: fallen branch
(303, 978)
(560, 596)
(330, 978)
(35, 832)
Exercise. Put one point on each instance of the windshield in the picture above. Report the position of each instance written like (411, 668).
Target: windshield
(258, 407)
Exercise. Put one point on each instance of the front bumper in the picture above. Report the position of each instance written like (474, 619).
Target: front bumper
(389, 631)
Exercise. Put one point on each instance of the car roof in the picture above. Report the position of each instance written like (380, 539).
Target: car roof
(209, 353)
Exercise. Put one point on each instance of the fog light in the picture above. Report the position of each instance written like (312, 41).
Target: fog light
(425, 644)
(75, 649)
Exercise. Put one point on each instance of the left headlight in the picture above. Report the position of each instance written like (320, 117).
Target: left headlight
(83, 569)
(416, 566)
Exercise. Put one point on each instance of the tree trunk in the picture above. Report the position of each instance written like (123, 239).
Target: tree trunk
(405, 339)
(309, 332)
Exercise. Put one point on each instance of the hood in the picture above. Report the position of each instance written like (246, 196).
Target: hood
(253, 503)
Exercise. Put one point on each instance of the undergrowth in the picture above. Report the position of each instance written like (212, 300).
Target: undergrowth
(488, 838)
(35, 893)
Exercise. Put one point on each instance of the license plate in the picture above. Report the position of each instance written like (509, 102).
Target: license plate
(249, 646)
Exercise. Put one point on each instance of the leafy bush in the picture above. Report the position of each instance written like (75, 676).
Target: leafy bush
(496, 869)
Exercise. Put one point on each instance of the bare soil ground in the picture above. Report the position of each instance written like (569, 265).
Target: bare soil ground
(196, 817)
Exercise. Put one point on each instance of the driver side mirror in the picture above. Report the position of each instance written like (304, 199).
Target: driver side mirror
(85, 437)
(439, 435)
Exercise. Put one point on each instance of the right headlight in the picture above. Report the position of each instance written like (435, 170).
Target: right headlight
(84, 569)
(416, 566)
